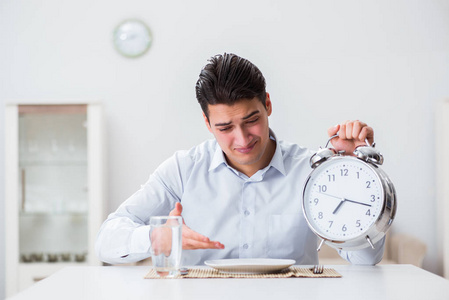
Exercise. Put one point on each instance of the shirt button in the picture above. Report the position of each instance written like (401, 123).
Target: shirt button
(246, 213)
(245, 246)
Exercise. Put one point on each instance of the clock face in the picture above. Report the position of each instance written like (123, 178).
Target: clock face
(132, 38)
(343, 198)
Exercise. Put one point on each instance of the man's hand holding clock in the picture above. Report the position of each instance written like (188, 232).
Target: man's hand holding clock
(351, 134)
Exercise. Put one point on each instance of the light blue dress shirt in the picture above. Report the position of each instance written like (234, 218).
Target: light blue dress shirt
(256, 217)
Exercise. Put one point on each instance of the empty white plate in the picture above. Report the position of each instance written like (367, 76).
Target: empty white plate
(251, 265)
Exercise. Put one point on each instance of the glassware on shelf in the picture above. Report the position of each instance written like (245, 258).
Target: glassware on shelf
(53, 180)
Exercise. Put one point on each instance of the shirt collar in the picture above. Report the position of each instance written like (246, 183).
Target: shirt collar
(218, 158)
(277, 161)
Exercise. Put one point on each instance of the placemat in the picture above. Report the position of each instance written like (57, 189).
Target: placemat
(286, 273)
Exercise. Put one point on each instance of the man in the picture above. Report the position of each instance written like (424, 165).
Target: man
(242, 189)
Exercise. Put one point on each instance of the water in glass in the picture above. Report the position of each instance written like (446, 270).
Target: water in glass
(166, 245)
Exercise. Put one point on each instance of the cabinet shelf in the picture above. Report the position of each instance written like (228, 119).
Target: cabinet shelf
(53, 214)
(49, 265)
(54, 163)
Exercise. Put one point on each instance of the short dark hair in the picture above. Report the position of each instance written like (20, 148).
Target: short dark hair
(227, 79)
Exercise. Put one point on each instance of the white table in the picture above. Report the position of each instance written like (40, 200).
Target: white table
(125, 282)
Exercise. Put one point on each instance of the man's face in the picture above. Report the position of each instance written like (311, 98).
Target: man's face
(242, 132)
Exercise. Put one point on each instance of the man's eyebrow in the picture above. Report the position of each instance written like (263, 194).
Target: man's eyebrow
(250, 115)
(244, 118)
(223, 124)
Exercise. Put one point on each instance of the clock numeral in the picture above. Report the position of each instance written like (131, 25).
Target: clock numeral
(316, 200)
(373, 198)
(322, 188)
(320, 215)
(344, 227)
(344, 172)
(331, 177)
(358, 175)
(368, 212)
(368, 184)
(331, 222)
(357, 223)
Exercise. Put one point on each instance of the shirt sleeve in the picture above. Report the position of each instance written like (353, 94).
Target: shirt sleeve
(366, 256)
(124, 236)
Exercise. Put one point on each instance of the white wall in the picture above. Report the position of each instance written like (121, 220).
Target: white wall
(385, 62)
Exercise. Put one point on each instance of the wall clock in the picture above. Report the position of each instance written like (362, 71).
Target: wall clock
(132, 38)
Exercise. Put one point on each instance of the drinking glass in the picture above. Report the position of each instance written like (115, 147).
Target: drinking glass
(166, 245)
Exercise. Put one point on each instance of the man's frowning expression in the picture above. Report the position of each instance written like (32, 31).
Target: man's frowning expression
(242, 132)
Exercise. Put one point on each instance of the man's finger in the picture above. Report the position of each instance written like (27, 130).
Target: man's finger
(189, 234)
(177, 210)
(342, 132)
(333, 130)
(356, 129)
(194, 240)
(349, 131)
(189, 244)
(367, 133)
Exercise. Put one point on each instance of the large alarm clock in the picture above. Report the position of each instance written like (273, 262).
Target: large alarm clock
(349, 201)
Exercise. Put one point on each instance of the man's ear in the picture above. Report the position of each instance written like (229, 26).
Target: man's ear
(268, 105)
(206, 120)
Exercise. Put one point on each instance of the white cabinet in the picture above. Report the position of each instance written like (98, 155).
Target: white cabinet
(54, 189)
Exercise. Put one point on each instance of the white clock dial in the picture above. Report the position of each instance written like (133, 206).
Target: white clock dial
(343, 198)
(132, 38)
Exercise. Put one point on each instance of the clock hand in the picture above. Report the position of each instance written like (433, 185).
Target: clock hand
(341, 198)
(357, 202)
(338, 206)
(344, 199)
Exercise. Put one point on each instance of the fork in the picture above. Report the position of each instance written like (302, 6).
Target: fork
(183, 271)
(318, 269)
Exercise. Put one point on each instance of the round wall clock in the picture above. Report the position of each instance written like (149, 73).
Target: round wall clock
(132, 38)
(348, 201)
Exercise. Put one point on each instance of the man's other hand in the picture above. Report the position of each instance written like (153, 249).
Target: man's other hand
(191, 239)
